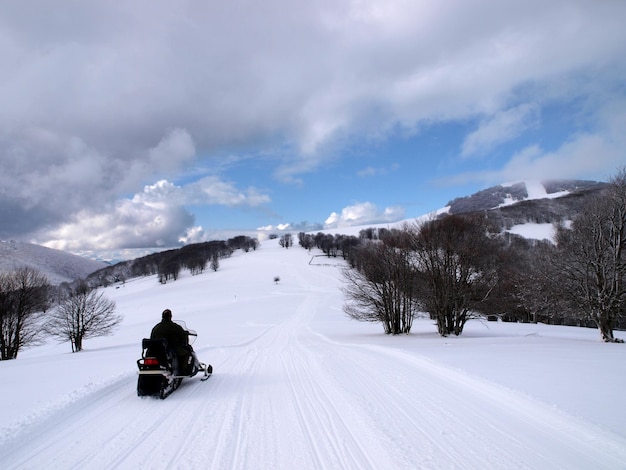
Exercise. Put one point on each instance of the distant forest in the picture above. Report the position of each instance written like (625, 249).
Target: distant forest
(168, 264)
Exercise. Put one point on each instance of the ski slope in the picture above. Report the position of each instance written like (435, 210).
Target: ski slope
(297, 385)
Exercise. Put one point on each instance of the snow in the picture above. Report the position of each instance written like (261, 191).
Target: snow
(298, 385)
(58, 266)
(535, 231)
(535, 190)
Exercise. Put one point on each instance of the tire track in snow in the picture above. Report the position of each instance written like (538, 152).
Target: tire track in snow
(44, 438)
(443, 423)
(495, 422)
(232, 390)
(417, 427)
(114, 425)
(319, 413)
(277, 391)
(324, 410)
(235, 432)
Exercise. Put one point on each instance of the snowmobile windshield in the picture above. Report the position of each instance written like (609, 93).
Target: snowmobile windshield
(192, 333)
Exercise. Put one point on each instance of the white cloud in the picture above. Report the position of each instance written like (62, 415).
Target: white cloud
(499, 128)
(213, 190)
(582, 156)
(130, 224)
(193, 235)
(593, 156)
(155, 217)
(362, 214)
(278, 227)
(175, 149)
(376, 171)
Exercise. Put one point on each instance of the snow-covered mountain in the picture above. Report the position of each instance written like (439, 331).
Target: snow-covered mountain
(530, 209)
(526, 208)
(506, 195)
(58, 266)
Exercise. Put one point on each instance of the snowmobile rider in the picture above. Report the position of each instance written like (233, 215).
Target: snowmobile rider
(177, 340)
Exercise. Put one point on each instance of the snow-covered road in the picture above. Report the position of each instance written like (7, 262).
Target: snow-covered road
(295, 388)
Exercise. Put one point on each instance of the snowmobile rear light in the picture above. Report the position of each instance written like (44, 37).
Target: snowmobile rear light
(150, 361)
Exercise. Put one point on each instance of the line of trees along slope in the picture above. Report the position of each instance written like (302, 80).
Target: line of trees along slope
(459, 267)
(168, 264)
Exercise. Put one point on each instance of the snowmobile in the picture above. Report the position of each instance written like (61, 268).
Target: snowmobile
(159, 370)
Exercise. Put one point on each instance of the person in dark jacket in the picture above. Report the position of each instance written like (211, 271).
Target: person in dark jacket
(177, 339)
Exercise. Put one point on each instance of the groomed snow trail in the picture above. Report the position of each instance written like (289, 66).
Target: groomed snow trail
(293, 396)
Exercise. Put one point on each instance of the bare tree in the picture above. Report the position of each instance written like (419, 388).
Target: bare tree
(23, 296)
(286, 240)
(215, 262)
(380, 286)
(592, 258)
(306, 240)
(170, 266)
(456, 263)
(534, 282)
(197, 264)
(83, 314)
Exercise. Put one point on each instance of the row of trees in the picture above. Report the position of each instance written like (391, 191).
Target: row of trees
(331, 245)
(168, 264)
(31, 309)
(286, 241)
(447, 267)
(460, 266)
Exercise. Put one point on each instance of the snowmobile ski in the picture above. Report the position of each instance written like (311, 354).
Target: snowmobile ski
(208, 372)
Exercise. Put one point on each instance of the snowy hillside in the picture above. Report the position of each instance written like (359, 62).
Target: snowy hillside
(298, 385)
(527, 208)
(57, 266)
(509, 194)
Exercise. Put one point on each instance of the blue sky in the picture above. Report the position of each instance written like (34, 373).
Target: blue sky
(139, 125)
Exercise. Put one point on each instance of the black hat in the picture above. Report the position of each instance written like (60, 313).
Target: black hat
(167, 314)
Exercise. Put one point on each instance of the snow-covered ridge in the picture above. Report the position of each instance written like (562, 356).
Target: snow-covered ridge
(58, 266)
(526, 208)
(508, 194)
(534, 190)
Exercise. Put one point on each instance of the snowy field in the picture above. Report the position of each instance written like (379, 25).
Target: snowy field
(298, 385)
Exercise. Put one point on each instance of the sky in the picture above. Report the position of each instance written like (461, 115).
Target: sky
(143, 124)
